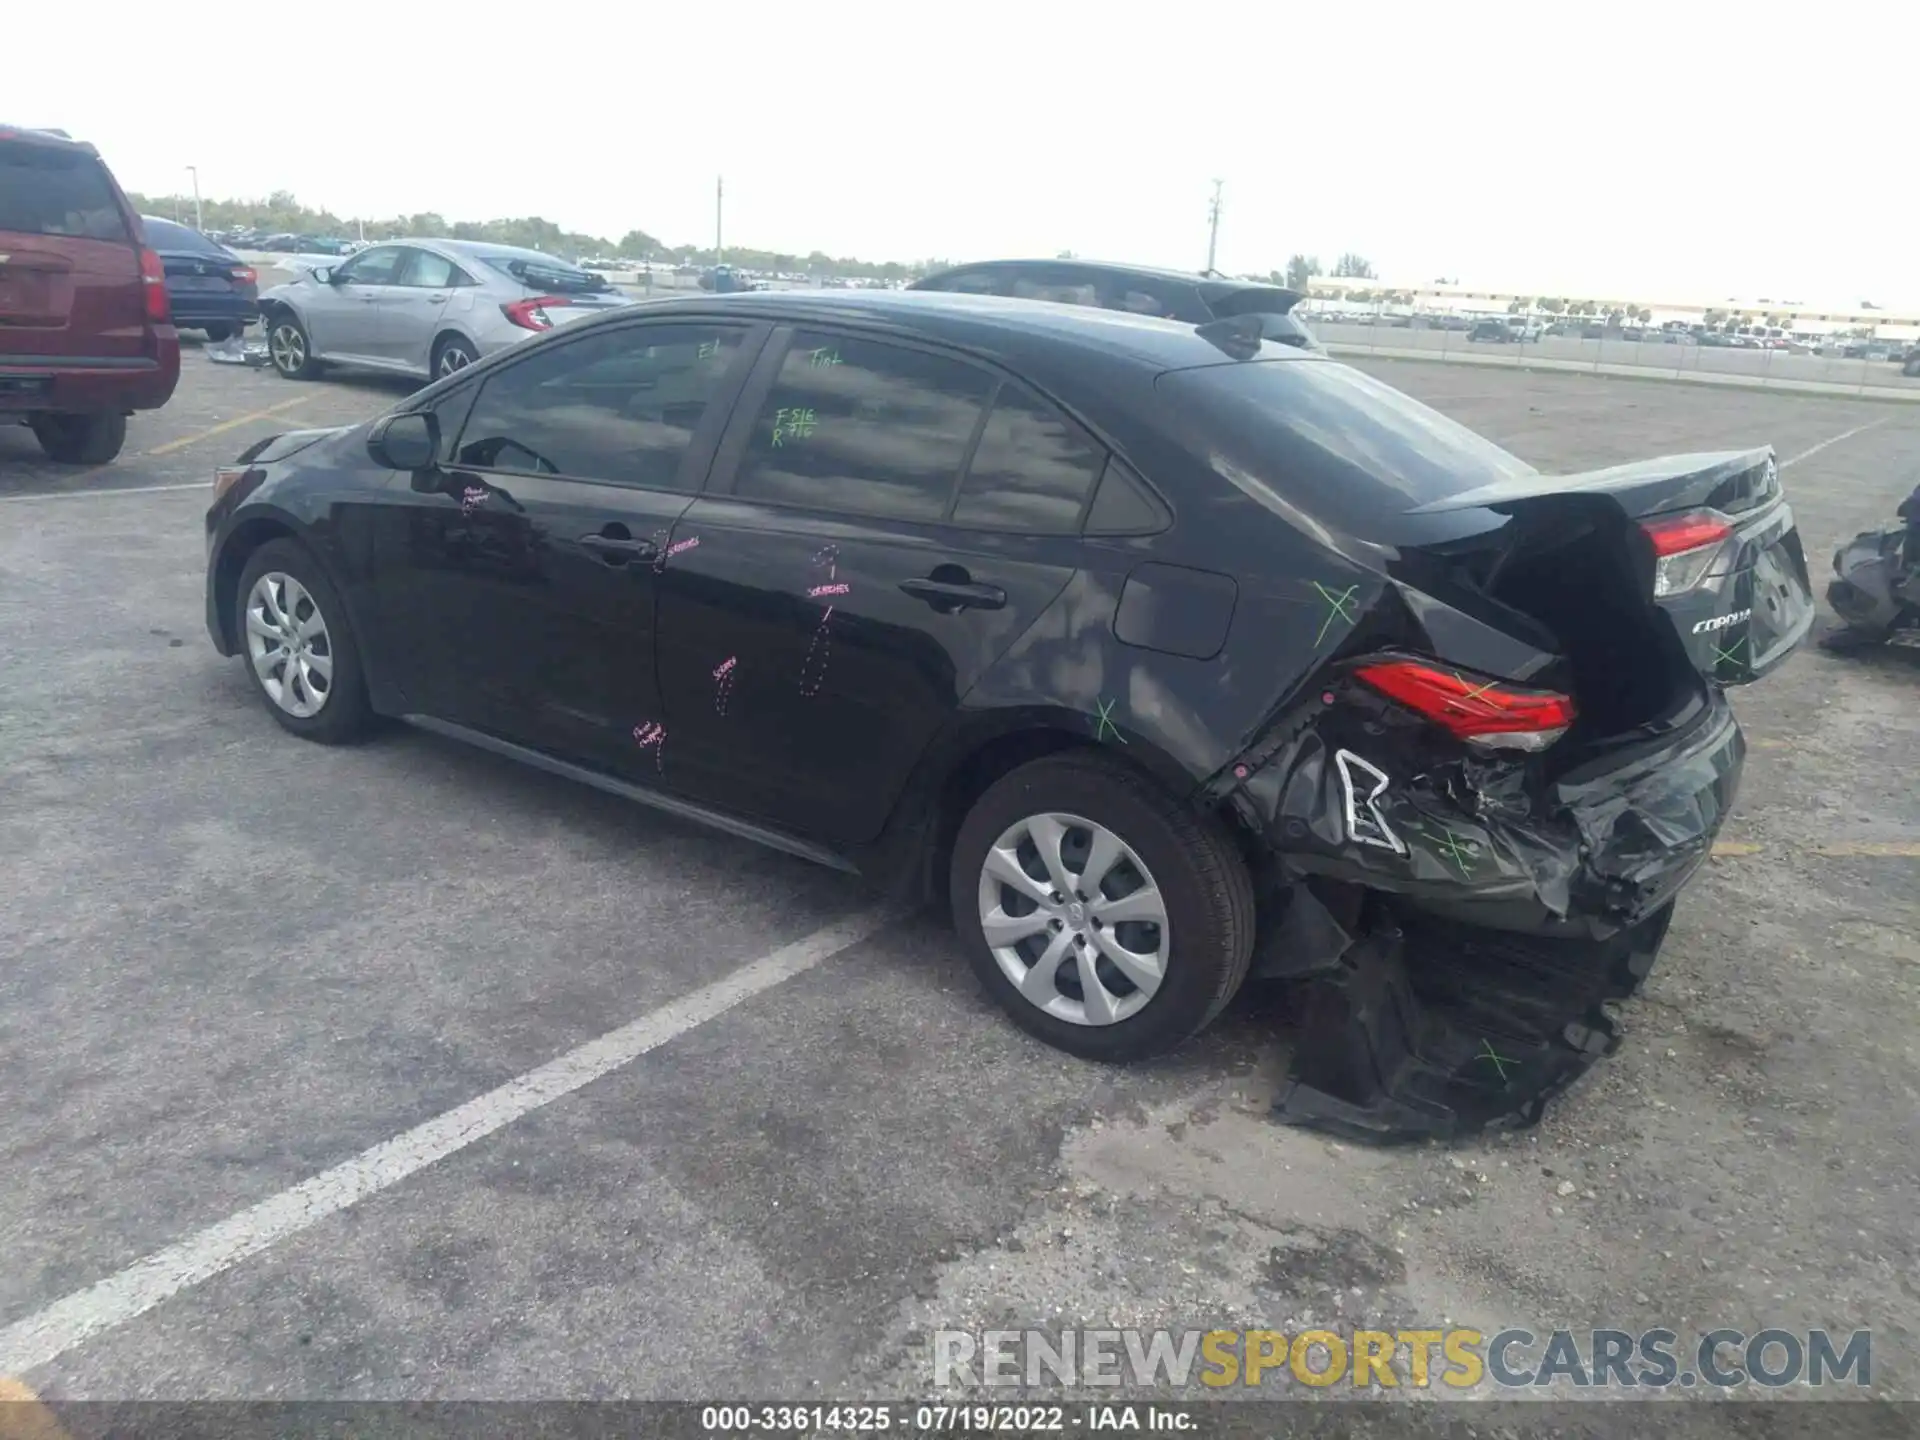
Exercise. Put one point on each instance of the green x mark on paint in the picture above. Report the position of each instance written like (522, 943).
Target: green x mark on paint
(1500, 1062)
(1453, 848)
(1106, 724)
(1339, 607)
(1730, 655)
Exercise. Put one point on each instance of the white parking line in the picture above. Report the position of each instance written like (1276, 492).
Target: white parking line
(1843, 435)
(145, 1283)
(205, 485)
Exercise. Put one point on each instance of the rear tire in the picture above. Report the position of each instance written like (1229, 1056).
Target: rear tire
(289, 347)
(81, 439)
(319, 691)
(1200, 887)
(451, 353)
(1912, 367)
(218, 334)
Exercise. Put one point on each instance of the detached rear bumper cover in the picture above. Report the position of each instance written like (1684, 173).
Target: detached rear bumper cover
(1506, 910)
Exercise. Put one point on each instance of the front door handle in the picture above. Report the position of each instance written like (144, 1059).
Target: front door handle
(619, 549)
(947, 596)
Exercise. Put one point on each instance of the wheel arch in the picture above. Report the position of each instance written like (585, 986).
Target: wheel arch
(441, 335)
(916, 847)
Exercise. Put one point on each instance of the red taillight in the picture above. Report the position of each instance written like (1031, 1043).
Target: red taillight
(1490, 714)
(532, 314)
(1685, 548)
(244, 274)
(153, 280)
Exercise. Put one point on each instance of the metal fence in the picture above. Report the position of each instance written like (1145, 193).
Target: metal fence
(1653, 355)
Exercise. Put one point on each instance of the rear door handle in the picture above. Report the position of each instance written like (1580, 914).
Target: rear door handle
(618, 549)
(949, 595)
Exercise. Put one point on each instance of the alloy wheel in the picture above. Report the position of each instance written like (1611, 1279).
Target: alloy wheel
(453, 358)
(1074, 919)
(288, 644)
(288, 347)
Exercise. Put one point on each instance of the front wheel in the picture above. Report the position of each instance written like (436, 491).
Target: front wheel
(1912, 367)
(293, 631)
(80, 439)
(290, 349)
(1107, 918)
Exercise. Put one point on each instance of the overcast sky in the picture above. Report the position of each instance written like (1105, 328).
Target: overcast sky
(1685, 149)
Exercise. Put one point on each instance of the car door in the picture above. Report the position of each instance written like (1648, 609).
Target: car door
(516, 582)
(835, 593)
(408, 315)
(342, 314)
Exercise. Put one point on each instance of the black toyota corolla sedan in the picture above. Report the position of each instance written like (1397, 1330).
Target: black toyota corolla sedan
(1163, 653)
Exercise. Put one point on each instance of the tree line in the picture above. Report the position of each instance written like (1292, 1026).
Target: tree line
(281, 214)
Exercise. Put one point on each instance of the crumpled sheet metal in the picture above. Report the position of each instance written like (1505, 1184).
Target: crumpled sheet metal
(1465, 834)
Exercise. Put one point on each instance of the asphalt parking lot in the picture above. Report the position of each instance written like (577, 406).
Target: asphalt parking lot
(233, 961)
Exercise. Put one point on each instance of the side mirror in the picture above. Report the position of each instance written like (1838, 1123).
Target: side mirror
(407, 441)
(322, 274)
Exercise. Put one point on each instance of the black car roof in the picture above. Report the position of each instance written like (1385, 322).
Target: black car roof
(985, 322)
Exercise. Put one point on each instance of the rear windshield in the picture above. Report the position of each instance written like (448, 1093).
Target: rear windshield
(1330, 440)
(556, 277)
(165, 235)
(46, 190)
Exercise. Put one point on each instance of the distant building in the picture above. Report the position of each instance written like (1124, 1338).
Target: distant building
(1794, 318)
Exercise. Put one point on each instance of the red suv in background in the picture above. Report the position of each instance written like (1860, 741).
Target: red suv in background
(86, 336)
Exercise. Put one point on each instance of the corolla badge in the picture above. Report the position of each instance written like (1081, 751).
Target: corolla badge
(1720, 622)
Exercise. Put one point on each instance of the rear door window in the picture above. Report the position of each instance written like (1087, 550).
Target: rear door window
(621, 406)
(49, 190)
(1058, 284)
(863, 427)
(972, 282)
(1032, 471)
(428, 271)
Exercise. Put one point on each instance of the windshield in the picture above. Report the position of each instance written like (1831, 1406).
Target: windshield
(555, 277)
(165, 235)
(1330, 440)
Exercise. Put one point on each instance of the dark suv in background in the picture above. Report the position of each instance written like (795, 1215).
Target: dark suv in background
(1134, 289)
(86, 334)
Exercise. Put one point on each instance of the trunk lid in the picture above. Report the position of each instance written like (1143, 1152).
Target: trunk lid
(1712, 542)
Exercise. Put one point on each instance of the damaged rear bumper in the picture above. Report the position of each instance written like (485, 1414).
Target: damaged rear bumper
(1460, 921)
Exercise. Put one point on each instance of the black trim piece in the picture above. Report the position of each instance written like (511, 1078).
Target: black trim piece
(973, 448)
(747, 406)
(78, 362)
(684, 809)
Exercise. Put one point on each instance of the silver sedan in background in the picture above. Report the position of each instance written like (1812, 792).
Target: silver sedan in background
(424, 307)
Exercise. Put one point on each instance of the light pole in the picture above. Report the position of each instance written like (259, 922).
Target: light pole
(1213, 225)
(719, 200)
(194, 170)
